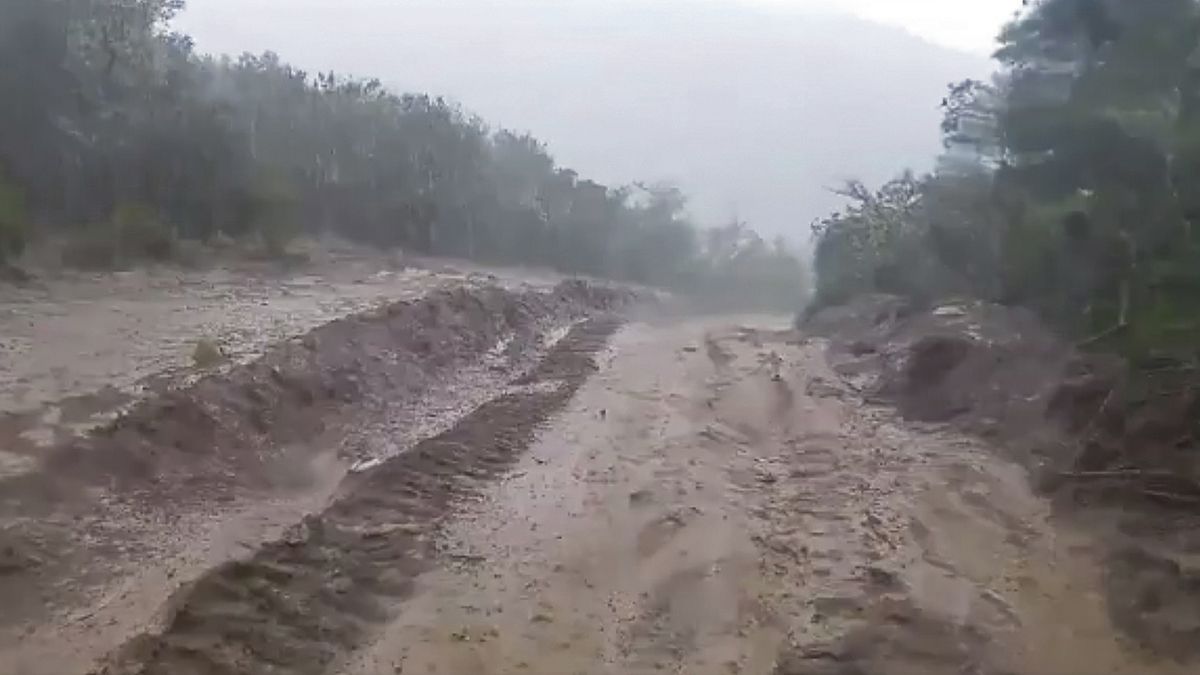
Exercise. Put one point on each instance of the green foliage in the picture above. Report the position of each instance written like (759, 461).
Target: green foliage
(104, 108)
(140, 234)
(132, 234)
(275, 207)
(881, 242)
(741, 271)
(1090, 218)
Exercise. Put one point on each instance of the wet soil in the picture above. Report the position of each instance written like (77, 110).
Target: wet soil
(108, 525)
(716, 500)
(299, 602)
(1111, 447)
(78, 349)
(564, 493)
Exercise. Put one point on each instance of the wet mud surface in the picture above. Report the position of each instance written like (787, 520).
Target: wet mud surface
(300, 602)
(79, 351)
(716, 500)
(1117, 465)
(109, 525)
(563, 490)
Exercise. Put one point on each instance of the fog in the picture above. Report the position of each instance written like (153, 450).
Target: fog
(754, 110)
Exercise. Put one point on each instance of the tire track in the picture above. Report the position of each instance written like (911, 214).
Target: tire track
(322, 590)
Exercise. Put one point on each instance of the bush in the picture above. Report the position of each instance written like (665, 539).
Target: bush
(134, 233)
(275, 203)
(140, 234)
(13, 225)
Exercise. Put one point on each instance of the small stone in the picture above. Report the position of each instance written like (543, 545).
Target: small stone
(640, 497)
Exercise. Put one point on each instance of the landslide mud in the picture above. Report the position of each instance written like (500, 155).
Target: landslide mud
(1123, 471)
(110, 524)
(717, 500)
(707, 497)
(300, 602)
(80, 348)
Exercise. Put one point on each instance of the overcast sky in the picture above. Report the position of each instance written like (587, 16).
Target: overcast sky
(970, 25)
(755, 107)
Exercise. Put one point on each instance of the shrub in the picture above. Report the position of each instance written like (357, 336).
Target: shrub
(140, 234)
(13, 225)
(133, 233)
(275, 202)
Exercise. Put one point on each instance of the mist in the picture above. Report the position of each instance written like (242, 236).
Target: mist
(755, 111)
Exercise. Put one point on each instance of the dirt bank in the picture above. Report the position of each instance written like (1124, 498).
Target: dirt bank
(1124, 469)
(78, 349)
(108, 525)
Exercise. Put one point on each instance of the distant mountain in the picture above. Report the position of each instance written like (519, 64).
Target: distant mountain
(754, 111)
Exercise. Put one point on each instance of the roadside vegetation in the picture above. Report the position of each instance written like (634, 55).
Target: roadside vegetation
(119, 138)
(1069, 184)
(1069, 187)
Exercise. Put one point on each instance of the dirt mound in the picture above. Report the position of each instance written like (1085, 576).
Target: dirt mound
(987, 367)
(999, 372)
(228, 429)
(255, 431)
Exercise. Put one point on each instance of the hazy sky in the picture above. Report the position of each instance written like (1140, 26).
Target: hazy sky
(962, 24)
(755, 107)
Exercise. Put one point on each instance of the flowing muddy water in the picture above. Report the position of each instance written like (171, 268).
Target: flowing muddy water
(97, 542)
(79, 349)
(715, 500)
(699, 497)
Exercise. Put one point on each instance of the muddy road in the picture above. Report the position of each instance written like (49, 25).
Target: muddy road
(703, 496)
(690, 512)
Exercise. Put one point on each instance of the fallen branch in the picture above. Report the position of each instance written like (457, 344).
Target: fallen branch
(1172, 497)
(1119, 473)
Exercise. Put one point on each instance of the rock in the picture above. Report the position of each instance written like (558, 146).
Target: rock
(15, 558)
(640, 497)
(931, 358)
(949, 311)
(207, 353)
(861, 348)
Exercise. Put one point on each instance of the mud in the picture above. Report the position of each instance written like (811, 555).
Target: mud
(79, 348)
(300, 602)
(108, 525)
(690, 512)
(533, 482)
(1117, 470)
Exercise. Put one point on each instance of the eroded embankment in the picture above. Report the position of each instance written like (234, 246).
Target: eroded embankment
(264, 442)
(1126, 471)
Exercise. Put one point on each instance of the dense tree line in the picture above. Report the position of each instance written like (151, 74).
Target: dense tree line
(1080, 198)
(116, 133)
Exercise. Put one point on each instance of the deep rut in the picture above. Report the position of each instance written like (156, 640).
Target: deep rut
(321, 591)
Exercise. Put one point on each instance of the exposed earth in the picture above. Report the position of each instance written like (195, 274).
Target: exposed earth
(440, 473)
